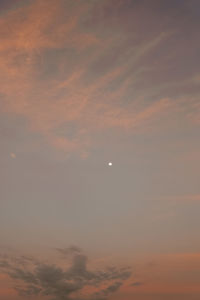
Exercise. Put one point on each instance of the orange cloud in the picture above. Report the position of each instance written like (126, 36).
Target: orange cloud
(183, 198)
(5, 286)
(68, 99)
(175, 273)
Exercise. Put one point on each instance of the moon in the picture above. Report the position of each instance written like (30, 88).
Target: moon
(110, 163)
(12, 155)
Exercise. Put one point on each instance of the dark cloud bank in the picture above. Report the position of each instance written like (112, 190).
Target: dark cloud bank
(36, 278)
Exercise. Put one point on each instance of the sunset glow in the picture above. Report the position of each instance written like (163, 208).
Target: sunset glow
(100, 150)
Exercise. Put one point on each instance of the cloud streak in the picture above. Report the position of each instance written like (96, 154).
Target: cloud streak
(72, 80)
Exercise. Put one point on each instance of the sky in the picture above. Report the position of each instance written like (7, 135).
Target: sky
(84, 83)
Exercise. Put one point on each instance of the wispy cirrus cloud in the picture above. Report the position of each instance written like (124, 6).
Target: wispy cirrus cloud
(59, 75)
(184, 198)
(61, 69)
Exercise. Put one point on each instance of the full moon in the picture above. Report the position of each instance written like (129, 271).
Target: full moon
(110, 163)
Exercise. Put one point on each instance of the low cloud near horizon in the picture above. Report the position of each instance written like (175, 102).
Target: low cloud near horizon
(32, 277)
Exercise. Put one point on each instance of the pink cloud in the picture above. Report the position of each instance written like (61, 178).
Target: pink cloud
(26, 35)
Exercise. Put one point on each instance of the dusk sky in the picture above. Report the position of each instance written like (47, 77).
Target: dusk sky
(84, 83)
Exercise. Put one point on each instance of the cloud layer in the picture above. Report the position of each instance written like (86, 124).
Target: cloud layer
(74, 69)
